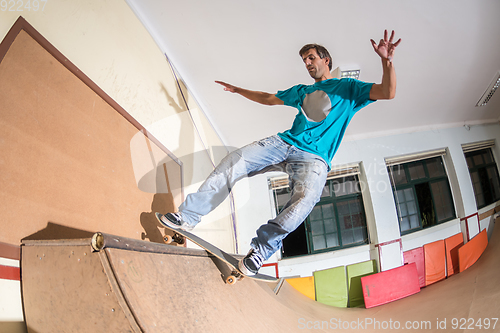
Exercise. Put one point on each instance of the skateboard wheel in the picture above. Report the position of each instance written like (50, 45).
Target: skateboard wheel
(167, 239)
(231, 279)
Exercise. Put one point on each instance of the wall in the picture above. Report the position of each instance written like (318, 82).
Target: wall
(379, 203)
(106, 41)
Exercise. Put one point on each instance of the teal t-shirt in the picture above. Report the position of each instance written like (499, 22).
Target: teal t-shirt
(325, 110)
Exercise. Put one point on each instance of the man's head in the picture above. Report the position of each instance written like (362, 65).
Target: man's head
(321, 51)
(317, 60)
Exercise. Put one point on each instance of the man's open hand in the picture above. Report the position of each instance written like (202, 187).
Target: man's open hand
(385, 48)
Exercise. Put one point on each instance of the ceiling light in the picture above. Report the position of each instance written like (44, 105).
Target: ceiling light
(353, 74)
(490, 90)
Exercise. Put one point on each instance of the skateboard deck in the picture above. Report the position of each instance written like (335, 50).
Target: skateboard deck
(231, 261)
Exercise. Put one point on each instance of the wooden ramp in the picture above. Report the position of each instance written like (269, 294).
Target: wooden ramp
(135, 286)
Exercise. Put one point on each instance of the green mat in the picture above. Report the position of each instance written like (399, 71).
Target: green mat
(354, 274)
(331, 286)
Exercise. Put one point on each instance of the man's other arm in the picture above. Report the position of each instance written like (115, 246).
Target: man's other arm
(387, 88)
(385, 49)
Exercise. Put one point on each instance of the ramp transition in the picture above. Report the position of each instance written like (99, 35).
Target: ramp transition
(134, 286)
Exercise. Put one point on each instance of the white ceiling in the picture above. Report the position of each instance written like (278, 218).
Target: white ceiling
(450, 52)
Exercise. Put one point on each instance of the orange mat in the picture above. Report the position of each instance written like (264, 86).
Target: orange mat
(435, 262)
(452, 245)
(470, 252)
(305, 285)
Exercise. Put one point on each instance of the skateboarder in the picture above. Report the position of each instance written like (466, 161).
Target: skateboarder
(305, 151)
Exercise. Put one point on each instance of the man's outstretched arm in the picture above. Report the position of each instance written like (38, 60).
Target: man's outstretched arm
(385, 49)
(256, 96)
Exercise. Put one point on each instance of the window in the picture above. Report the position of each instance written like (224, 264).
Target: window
(422, 194)
(484, 176)
(336, 222)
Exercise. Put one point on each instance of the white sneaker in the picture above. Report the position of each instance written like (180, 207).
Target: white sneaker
(173, 221)
(252, 262)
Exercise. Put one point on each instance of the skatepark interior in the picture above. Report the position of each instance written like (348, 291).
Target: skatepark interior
(100, 130)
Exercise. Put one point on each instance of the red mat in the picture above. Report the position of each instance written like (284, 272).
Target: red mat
(391, 285)
(417, 256)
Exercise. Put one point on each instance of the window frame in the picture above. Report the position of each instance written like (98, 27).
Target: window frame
(485, 166)
(333, 177)
(412, 183)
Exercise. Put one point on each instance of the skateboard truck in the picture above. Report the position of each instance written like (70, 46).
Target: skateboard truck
(179, 239)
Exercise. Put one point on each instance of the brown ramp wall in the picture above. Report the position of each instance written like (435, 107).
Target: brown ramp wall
(68, 152)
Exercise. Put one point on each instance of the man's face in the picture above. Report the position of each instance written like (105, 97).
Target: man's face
(316, 66)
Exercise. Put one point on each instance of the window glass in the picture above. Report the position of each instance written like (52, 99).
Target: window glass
(330, 226)
(416, 171)
(478, 159)
(407, 209)
(478, 191)
(319, 243)
(488, 158)
(317, 228)
(442, 199)
(282, 196)
(494, 181)
(327, 211)
(470, 162)
(397, 175)
(346, 186)
(332, 240)
(435, 167)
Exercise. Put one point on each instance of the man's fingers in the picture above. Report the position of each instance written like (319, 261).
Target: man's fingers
(397, 43)
(227, 86)
(385, 34)
(224, 84)
(392, 36)
(374, 45)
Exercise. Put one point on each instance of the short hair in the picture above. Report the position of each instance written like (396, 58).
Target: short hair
(321, 50)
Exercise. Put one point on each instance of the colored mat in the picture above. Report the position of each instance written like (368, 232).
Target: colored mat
(435, 262)
(470, 252)
(354, 274)
(391, 285)
(331, 286)
(452, 245)
(417, 256)
(305, 285)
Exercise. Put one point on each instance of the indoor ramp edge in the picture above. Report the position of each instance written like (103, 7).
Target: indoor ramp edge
(138, 286)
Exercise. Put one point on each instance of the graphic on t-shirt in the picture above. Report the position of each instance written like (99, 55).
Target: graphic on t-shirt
(317, 106)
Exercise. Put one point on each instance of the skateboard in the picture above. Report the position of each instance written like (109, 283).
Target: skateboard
(228, 259)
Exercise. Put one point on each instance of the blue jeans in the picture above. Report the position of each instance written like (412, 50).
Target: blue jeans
(307, 173)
